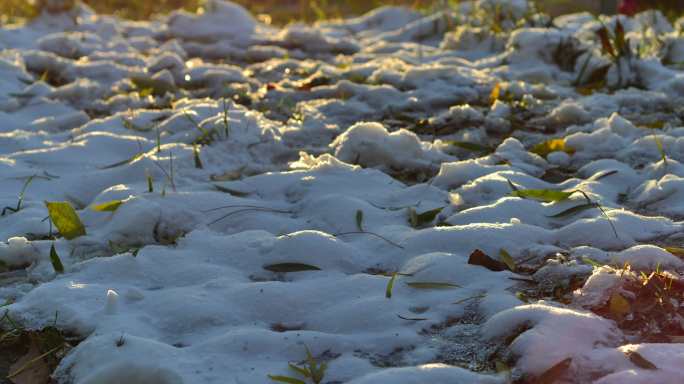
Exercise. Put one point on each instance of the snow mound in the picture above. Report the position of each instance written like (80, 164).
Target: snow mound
(221, 20)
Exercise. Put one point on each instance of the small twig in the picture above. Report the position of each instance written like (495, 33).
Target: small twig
(583, 69)
(169, 177)
(7, 317)
(389, 208)
(612, 226)
(427, 187)
(21, 196)
(195, 123)
(162, 169)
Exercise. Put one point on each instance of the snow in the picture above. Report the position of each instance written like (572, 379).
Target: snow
(574, 333)
(234, 147)
(371, 145)
(212, 25)
(17, 252)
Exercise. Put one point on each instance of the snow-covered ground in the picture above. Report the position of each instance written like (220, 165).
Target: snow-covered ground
(235, 154)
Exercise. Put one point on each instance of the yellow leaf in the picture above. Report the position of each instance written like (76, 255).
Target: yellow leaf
(146, 92)
(496, 92)
(507, 259)
(109, 206)
(676, 251)
(619, 306)
(658, 124)
(65, 218)
(553, 145)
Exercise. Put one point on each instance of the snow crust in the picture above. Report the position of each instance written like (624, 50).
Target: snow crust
(234, 146)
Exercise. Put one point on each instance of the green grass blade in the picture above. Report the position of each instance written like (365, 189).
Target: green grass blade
(196, 157)
(302, 371)
(390, 286)
(432, 285)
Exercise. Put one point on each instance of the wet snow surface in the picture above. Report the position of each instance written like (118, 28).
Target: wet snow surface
(235, 146)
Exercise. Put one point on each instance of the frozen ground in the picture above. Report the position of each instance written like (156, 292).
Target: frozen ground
(393, 142)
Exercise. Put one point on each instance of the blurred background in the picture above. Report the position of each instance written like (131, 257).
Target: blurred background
(285, 11)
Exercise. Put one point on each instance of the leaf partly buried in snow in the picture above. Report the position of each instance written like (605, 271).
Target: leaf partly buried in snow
(495, 94)
(640, 361)
(513, 187)
(432, 285)
(620, 42)
(545, 195)
(618, 305)
(522, 297)
(591, 262)
(676, 251)
(606, 44)
(230, 191)
(285, 379)
(149, 86)
(600, 176)
(413, 217)
(196, 157)
(574, 210)
(55, 260)
(359, 220)
(482, 259)
(390, 286)
(420, 219)
(428, 216)
(507, 259)
(469, 146)
(553, 145)
(65, 218)
(290, 267)
(109, 206)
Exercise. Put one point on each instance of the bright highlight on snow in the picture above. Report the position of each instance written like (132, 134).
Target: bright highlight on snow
(475, 194)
